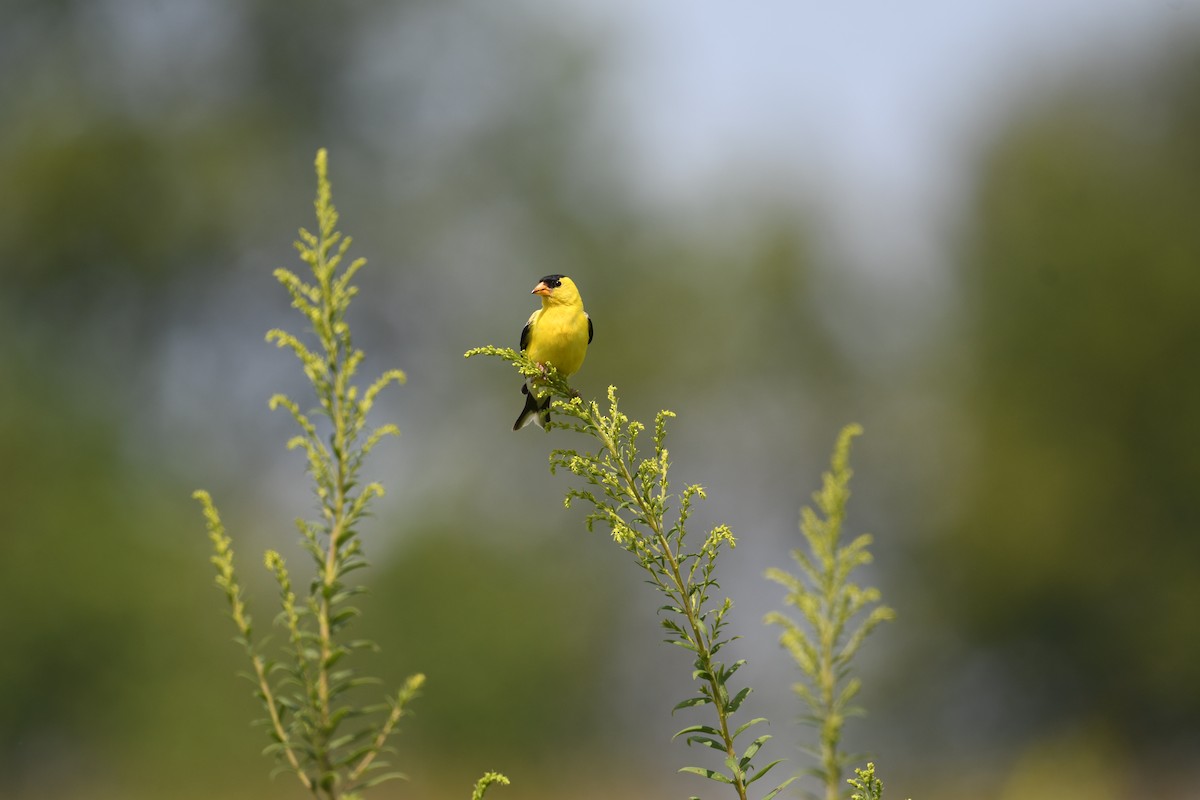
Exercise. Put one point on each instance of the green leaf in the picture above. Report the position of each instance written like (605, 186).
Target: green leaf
(713, 743)
(274, 749)
(736, 701)
(342, 741)
(375, 780)
(771, 794)
(707, 729)
(746, 725)
(357, 755)
(754, 747)
(734, 667)
(335, 656)
(690, 702)
(767, 769)
(711, 774)
(341, 714)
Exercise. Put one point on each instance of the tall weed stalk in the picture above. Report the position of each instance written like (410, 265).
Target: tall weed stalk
(335, 747)
(836, 615)
(629, 493)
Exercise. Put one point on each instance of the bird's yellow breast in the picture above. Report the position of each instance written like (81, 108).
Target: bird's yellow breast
(559, 335)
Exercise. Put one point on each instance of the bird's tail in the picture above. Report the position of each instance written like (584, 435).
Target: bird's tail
(536, 412)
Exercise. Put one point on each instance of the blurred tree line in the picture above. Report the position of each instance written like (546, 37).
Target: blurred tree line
(155, 166)
(1073, 550)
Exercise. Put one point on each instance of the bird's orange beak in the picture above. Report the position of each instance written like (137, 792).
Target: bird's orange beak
(542, 289)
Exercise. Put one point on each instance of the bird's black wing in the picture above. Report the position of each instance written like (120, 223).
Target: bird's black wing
(525, 335)
(589, 328)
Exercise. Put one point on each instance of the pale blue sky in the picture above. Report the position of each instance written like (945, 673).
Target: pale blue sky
(874, 108)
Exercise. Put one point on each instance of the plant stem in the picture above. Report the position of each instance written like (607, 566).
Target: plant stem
(264, 686)
(336, 510)
(654, 520)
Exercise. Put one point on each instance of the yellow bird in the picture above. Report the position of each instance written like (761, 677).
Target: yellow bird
(558, 333)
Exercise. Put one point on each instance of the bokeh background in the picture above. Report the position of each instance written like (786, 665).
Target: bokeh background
(972, 227)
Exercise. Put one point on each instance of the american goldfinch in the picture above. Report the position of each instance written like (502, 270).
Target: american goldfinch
(558, 333)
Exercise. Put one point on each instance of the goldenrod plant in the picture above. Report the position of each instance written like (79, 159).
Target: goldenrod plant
(866, 785)
(836, 615)
(630, 494)
(481, 785)
(334, 747)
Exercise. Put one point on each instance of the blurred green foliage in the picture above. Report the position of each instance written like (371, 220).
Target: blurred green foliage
(1075, 543)
(516, 635)
(96, 671)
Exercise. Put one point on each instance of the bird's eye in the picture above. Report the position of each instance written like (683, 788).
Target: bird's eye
(553, 281)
